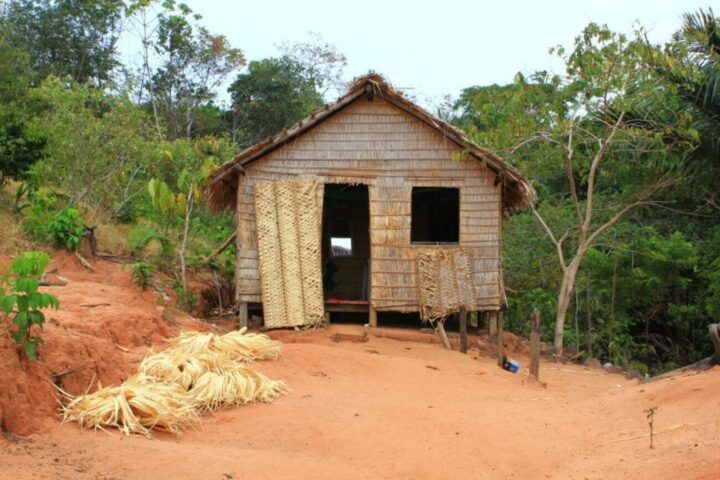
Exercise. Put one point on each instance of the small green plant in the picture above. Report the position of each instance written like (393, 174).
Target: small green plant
(26, 302)
(649, 415)
(142, 273)
(67, 229)
(185, 298)
(22, 194)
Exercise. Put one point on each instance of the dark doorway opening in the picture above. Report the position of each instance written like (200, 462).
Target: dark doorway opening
(346, 245)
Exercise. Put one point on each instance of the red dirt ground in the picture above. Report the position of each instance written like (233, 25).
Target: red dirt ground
(105, 324)
(381, 409)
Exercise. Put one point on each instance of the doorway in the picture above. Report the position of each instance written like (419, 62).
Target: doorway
(346, 244)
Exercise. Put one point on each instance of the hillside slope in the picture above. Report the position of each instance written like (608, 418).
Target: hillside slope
(104, 325)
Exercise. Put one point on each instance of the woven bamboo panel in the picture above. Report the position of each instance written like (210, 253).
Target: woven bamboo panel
(445, 282)
(288, 237)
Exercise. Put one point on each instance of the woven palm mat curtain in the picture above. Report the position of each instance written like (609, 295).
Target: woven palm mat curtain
(288, 215)
(444, 282)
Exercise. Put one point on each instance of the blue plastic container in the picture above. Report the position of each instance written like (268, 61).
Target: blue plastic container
(511, 365)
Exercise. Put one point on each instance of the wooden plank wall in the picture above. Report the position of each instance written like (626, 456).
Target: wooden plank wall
(376, 143)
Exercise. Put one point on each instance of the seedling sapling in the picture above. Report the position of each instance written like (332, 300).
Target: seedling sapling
(649, 414)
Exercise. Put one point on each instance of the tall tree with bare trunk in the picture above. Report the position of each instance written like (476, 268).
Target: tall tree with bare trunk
(602, 155)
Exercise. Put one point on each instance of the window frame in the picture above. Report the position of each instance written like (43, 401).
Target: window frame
(459, 217)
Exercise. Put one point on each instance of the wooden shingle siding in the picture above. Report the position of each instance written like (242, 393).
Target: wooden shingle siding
(378, 144)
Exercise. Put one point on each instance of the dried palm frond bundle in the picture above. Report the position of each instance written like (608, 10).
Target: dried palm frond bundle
(251, 346)
(199, 372)
(236, 386)
(137, 406)
(183, 368)
(239, 344)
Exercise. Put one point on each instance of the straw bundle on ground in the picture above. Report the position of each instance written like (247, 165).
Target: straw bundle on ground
(200, 372)
(183, 368)
(136, 406)
(235, 386)
(238, 344)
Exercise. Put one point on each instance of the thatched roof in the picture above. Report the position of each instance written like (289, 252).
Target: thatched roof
(222, 185)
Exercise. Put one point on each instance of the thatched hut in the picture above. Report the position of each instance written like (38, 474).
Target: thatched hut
(370, 204)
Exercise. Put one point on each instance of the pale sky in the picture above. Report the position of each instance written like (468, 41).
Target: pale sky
(435, 47)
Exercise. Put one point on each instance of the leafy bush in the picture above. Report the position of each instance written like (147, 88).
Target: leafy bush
(142, 273)
(42, 208)
(67, 229)
(141, 236)
(26, 301)
(185, 298)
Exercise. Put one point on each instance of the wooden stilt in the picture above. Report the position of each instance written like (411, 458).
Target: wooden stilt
(242, 315)
(463, 330)
(501, 347)
(492, 323)
(535, 344)
(372, 317)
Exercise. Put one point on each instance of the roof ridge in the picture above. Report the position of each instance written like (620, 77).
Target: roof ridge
(524, 194)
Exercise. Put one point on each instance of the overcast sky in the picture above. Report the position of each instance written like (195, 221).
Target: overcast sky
(435, 47)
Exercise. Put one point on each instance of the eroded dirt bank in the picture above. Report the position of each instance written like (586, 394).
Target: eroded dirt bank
(395, 409)
(103, 328)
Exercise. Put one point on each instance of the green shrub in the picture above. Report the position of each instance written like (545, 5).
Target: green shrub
(142, 273)
(67, 228)
(26, 301)
(185, 298)
(42, 209)
(141, 236)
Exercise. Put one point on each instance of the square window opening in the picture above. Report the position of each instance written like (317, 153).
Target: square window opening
(341, 246)
(435, 215)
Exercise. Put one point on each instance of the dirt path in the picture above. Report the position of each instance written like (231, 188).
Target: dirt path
(392, 409)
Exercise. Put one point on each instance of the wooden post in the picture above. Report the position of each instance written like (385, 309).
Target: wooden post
(501, 347)
(492, 323)
(440, 329)
(242, 315)
(535, 344)
(372, 317)
(714, 332)
(463, 330)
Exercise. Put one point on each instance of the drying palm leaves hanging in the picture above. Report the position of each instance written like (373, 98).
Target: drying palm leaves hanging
(444, 282)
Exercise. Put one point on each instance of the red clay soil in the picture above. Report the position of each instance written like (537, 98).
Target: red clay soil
(387, 408)
(104, 326)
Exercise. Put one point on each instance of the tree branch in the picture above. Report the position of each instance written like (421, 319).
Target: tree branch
(593, 172)
(558, 243)
(568, 154)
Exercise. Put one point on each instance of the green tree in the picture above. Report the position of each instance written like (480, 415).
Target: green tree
(73, 38)
(191, 63)
(321, 62)
(688, 117)
(20, 145)
(98, 144)
(611, 168)
(273, 94)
